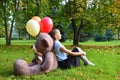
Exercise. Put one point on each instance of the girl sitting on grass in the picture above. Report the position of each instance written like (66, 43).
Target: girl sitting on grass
(66, 58)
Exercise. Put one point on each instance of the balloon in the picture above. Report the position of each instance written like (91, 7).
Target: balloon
(36, 18)
(33, 27)
(46, 25)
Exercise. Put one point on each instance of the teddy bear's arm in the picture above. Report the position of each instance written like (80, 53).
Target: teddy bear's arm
(48, 62)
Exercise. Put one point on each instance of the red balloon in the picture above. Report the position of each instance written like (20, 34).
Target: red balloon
(46, 24)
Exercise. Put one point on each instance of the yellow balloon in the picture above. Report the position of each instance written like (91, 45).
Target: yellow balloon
(33, 27)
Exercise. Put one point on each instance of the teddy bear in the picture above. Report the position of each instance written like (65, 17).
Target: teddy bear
(43, 45)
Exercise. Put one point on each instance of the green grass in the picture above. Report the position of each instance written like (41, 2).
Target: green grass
(106, 43)
(92, 43)
(107, 60)
(88, 43)
(18, 42)
(107, 67)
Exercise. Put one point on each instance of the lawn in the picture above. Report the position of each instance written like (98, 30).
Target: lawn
(107, 60)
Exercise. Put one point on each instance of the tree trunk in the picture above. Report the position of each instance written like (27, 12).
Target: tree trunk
(38, 8)
(76, 39)
(76, 31)
(7, 35)
(11, 30)
(5, 24)
(119, 33)
(29, 37)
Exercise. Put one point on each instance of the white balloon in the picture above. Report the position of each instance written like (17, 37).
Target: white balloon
(33, 27)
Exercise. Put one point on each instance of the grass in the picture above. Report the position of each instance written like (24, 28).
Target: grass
(106, 43)
(18, 42)
(93, 43)
(88, 43)
(107, 60)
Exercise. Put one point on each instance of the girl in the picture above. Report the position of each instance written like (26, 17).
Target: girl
(65, 57)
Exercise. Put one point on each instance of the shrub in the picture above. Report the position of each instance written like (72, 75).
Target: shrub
(109, 35)
(105, 37)
(100, 38)
(84, 37)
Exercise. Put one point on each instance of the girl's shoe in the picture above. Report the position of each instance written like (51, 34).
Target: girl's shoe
(90, 63)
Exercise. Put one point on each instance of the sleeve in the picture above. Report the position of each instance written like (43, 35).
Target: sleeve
(58, 45)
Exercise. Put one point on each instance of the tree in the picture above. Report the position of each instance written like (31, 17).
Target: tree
(64, 13)
(9, 12)
(27, 11)
(2, 31)
(115, 12)
(95, 16)
(82, 15)
(109, 35)
(76, 12)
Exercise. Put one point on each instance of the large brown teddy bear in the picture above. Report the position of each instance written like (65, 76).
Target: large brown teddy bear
(44, 45)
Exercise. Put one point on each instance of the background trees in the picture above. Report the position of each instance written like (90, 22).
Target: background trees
(74, 18)
(9, 10)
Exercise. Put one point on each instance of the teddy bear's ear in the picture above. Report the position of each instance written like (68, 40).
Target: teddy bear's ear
(45, 43)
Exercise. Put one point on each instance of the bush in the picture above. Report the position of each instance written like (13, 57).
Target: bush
(100, 38)
(106, 37)
(16, 38)
(109, 35)
(84, 37)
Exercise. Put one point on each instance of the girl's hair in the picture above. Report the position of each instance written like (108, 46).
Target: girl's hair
(53, 32)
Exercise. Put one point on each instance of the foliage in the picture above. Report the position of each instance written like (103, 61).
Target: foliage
(109, 35)
(63, 33)
(85, 36)
(2, 32)
(114, 9)
(106, 37)
(69, 31)
(8, 17)
(100, 38)
(82, 15)
(95, 16)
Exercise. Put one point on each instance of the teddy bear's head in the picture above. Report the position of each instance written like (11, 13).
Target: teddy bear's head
(44, 43)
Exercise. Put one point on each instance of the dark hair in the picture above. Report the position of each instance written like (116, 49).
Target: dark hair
(52, 33)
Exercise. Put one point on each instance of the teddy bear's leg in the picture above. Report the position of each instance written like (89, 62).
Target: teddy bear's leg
(21, 67)
(35, 69)
(50, 63)
(55, 63)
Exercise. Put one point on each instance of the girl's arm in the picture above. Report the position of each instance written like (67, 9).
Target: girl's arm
(64, 49)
